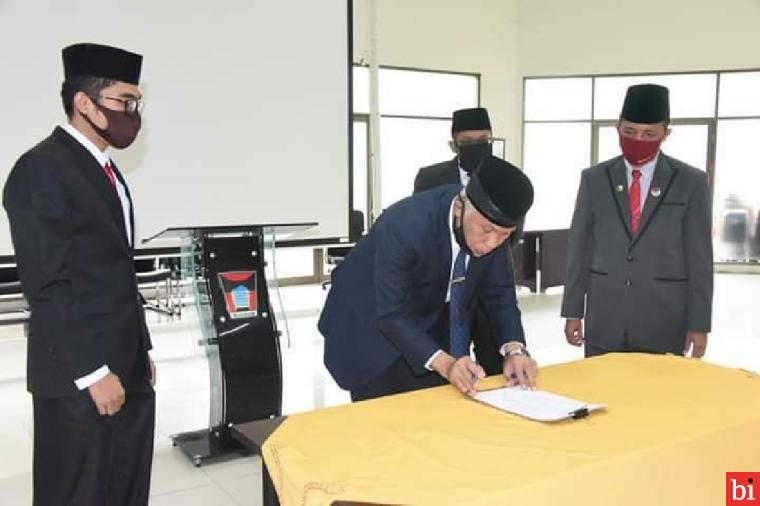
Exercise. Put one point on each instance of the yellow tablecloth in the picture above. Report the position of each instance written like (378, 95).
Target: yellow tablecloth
(672, 429)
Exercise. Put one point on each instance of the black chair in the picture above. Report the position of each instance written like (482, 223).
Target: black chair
(14, 308)
(159, 276)
(336, 254)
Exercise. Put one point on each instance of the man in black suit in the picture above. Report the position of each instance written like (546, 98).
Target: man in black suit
(71, 219)
(471, 137)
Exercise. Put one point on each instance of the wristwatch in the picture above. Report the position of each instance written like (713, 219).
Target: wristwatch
(519, 350)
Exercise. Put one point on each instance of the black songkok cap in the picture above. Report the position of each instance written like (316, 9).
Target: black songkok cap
(500, 191)
(647, 104)
(470, 119)
(95, 60)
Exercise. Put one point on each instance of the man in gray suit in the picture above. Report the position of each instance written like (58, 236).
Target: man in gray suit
(640, 266)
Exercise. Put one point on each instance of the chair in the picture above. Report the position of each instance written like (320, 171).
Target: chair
(336, 254)
(13, 306)
(162, 278)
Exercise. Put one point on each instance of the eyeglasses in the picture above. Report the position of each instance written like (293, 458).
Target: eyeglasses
(473, 142)
(131, 105)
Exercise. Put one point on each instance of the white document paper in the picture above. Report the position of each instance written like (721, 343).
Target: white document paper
(535, 404)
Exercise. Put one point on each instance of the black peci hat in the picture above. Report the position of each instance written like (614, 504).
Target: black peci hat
(470, 119)
(647, 104)
(95, 60)
(500, 191)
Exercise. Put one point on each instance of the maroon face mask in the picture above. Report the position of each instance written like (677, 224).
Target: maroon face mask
(638, 152)
(122, 127)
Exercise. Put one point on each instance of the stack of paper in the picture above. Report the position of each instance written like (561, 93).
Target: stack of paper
(536, 404)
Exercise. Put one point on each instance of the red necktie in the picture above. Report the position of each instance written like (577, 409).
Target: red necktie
(635, 200)
(109, 174)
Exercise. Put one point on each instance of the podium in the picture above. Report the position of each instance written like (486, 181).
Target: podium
(232, 272)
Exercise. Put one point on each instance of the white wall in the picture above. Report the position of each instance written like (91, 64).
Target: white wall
(246, 118)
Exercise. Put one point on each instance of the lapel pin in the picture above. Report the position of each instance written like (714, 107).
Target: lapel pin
(620, 188)
(655, 192)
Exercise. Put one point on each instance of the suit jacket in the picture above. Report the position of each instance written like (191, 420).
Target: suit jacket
(436, 175)
(76, 269)
(388, 296)
(653, 286)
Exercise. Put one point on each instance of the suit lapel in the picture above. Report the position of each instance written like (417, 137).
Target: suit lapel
(123, 182)
(661, 182)
(444, 224)
(89, 167)
(619, 189)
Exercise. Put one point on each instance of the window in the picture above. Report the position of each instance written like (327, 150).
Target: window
(739, 94)
(691, 95)
(407, 145)
(553, 169)
(361, 167)
(558, 99)
(415, 123)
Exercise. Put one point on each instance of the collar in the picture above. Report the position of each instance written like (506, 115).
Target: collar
(101, 156)
(647, 170)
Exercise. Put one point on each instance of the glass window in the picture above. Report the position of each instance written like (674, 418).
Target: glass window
(408, 145)
(360, 173)
(555, 171)
(417, 93)
(739, 94)
(691, 95)
(558, 99)
(736, 200)
(688, 143)
(499, 148)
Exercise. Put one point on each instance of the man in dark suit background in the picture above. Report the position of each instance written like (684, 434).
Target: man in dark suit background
(395, 318)
(471, 138)
(640, 262)
(71, 219)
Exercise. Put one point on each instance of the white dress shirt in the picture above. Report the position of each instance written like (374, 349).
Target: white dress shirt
(464, 177)
(102, 158)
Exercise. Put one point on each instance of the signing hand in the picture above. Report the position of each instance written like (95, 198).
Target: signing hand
(521, 370)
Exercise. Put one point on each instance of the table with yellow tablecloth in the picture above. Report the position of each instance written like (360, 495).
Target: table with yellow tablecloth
(672, 429)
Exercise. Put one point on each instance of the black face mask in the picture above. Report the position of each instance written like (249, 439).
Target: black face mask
(122, 127)
(471, 155)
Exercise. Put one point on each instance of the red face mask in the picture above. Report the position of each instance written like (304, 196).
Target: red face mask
(638, 152)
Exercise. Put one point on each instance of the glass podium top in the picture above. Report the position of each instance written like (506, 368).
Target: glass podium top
(280, 231)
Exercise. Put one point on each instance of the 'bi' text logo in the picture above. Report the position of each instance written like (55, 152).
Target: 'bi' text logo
(743, 489)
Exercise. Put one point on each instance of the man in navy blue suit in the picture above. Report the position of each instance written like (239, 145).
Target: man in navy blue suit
(395, 319)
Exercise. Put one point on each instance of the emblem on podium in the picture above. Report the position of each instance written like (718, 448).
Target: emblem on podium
(240, 294)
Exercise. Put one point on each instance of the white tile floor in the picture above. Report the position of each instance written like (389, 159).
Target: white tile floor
(182, 390)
